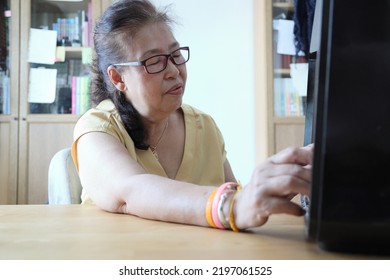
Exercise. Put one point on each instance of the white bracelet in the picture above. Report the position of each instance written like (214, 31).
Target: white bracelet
(221, 216)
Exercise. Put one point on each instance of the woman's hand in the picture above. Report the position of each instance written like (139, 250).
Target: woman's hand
(273, 184)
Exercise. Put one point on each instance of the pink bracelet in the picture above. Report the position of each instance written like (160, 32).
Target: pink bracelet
(217, 197)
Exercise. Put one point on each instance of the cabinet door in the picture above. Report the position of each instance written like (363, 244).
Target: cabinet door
(54, 90)
(289, 71)
(288, 134)
(280, 104)
(9, 69)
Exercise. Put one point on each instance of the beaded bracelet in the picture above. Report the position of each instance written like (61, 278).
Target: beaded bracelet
(217, 197)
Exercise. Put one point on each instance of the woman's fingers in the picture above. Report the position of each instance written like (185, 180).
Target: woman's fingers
(285, 185)
(273, 184)
(284, 206)
(294, 170)
(258, 214)
(302, 156)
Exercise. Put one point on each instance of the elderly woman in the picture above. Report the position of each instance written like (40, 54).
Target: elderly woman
(141, 151)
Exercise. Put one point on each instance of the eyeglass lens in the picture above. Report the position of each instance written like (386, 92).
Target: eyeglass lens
(159, 62)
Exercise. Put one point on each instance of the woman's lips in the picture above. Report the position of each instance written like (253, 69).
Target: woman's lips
(176, 90)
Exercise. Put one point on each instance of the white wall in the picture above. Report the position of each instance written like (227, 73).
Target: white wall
(221, 70)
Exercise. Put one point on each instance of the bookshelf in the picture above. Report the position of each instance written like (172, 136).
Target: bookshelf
(279, 104)
(30, 132)
(72, 26)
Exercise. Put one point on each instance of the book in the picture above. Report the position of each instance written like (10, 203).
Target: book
(80, 94)
(287, 101)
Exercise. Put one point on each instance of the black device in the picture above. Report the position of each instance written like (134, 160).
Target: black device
(349, 204)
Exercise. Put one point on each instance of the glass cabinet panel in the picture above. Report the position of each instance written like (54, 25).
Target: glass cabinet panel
(58, 78)
(5, 27)
(290, 68)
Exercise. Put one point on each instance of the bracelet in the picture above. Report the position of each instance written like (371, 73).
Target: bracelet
(217, 197)
(231, 212)
(221, 215)
(209, 205)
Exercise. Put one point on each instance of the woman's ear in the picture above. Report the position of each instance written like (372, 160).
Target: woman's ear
(116, 78)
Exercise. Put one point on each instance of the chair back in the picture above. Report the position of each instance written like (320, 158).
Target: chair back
(64, 183)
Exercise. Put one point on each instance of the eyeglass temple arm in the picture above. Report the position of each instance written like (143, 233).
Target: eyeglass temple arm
(134, 63)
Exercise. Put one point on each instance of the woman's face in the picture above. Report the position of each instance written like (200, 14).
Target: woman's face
(154, 95)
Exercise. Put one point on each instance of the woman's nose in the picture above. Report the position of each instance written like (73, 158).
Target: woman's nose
(172, 69)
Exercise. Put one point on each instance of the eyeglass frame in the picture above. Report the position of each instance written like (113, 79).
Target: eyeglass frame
(167, 56)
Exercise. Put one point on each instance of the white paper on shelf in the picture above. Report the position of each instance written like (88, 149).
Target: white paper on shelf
(285, 30)
(42, 85)
(299, 74)
(42, 46)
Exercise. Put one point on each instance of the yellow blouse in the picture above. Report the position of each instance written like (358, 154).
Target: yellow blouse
(204, 151)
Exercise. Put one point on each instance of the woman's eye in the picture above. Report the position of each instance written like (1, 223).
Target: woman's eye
(176, 54)
(154, 60)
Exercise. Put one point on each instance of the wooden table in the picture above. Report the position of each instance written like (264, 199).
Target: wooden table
(86, 232)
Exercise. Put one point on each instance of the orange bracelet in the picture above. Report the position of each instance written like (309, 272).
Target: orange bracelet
(209, 206)
(231, 212)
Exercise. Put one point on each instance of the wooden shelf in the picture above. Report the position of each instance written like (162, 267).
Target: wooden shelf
(289, 120)
(74, 52)
(289, 6)
(282, 71)
(52, 118)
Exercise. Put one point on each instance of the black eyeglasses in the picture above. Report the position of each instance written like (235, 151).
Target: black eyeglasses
(158, 63)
